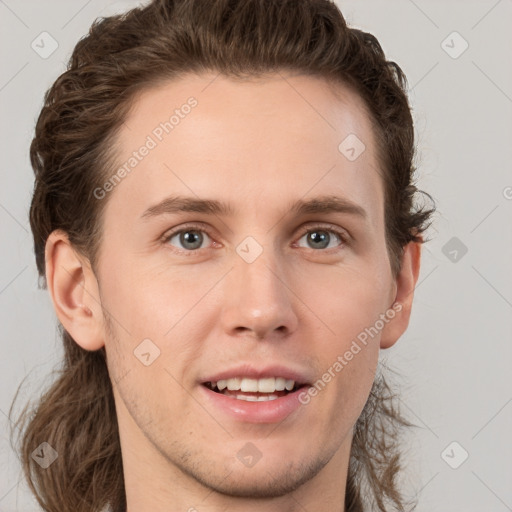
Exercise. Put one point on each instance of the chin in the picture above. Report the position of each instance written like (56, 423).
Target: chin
(263, 480)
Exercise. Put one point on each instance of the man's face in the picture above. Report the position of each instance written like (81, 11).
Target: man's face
(244, 293)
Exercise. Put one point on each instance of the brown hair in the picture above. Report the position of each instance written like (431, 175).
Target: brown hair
(71, 155)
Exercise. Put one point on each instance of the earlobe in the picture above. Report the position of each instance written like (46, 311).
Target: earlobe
(74, 291)
(405, 284)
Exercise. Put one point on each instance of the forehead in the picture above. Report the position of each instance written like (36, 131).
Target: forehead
(276, 137)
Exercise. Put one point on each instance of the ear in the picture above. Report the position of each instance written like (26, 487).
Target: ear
(74, 291)
(405, 284)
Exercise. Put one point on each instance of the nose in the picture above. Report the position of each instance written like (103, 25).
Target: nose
(258, 299)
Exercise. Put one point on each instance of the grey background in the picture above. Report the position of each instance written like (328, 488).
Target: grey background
(455, 357)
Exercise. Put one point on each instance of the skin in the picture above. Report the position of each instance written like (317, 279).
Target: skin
(258, 145)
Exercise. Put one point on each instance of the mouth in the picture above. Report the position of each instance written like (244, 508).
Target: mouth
(255, 390)
(250, 395)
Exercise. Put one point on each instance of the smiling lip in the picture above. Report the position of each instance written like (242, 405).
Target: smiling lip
(272, 411)
(249, 371)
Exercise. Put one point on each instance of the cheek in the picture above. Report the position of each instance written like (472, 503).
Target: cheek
(169, 307)
(350, 304)
(145, 302)
(350, 301)
(352, 389)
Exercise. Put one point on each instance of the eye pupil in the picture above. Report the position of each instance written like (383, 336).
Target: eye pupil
(316, 238)
(186, 238)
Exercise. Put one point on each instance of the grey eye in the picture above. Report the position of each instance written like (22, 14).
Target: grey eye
(190, 239)
(321, 238)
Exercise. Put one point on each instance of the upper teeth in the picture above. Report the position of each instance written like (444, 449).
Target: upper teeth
(266, 385)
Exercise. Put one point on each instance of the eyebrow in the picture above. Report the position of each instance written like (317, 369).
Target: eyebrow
(320, 204)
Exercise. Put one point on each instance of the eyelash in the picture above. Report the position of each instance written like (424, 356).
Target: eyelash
(196, 227)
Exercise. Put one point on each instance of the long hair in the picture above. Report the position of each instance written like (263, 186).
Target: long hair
(71, 155)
